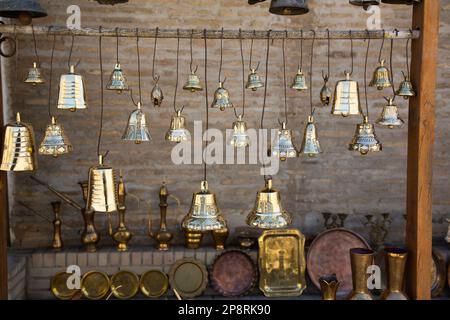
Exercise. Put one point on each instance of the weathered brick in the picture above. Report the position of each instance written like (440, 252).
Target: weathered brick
(125, 258)
(82, 259)
(157, 258)
(147, 258)
(60, 259)
(136, 258)
(102, 259)
(49, 260)
(114, 258)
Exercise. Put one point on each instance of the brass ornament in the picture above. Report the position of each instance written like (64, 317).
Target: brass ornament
(95, 285)
(24, 10)
(55, 141)
(389, 116)
(310, 142)
(406, 89)
(163, 236)
(117, 80)
(57, 242)
(381, 77)
(325, 92)
(365, 140)
(365, 3)
(124, 284)
(329, 286)
(299, 82)
(239, 137)
(193, 83)
(283, 147)
(157, 95)
(137, 130)
(395, 259)
(34, 76)
(221, 98)
(72, 94)
(289, 7)
(254, 81)
(346, 98)
(177, 131)
(122, 234)
(361, 259)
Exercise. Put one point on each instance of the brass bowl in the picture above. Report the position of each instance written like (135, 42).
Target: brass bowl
(124, 284)
(95, 285)
(59, 287)
(154, 283)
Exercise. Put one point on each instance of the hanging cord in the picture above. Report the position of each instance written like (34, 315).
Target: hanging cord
(382, 46)
(327, 76)
(101, 92)
(117, 45)
(71, 50)
(311, 73)
(265, 95)
(351, 51)
(301, 51)
(51, 76)
(35, 46)
(139, 70)
(284, 80)
(176, 82)
(391, 69)
(407, 57)
(192, 58)
(243, 77)
(365, 72)
(251, 53)
(154, 75)
(221, 57)
(207, 103)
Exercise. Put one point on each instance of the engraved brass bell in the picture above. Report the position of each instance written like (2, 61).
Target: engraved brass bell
(72, 95)
(254, 81)
(268, 212)
(34, 76)
(325, 92)
(310, 143)
(288, 7)
(365, 140)
(240, 138)
(137, 130)
(221, 98)
(177, 131)
(55, 141)
(406, 89)
(365, 3)
(389, 116)
(102, 188)
(157, 95)
(117, 80)
(24, 10)
(283, 146)
(381, 78)
(346, 98)
(193, 83)
(18, 147)
(299, 82)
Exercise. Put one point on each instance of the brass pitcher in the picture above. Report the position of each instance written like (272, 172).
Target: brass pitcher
(395, 259)
(329, 286)
(57, 243)
(89, 236)
(361, 259)
(162, 236)
(122, 235)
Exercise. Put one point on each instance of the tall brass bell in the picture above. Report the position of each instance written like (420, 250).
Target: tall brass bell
(346, 98)
(221, 98)
(288, 7)
(204, 214)
(365, 3)
(117, 80)
(136, 129)
(406, 89)
(102, 188)
(390, 116)
(325, 92)
(72, 95)
(299, 82)
(34, 76)
(254, 81)
(177, 131)
(365, 140)
(240, 138)
(310, 143)
(381, 78)
(55, 141)
(268, 212)
(157, 95)
(193, 83)
(18, 147)
(283, 146)
(24, 10)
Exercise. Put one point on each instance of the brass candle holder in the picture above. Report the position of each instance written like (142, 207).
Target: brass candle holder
(162, 236)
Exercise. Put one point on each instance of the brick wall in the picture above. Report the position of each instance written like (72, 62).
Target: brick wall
(17, 276)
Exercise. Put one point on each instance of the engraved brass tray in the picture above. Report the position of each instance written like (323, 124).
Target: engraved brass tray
(59, 286)
(188, 277)
(95, 285)
(124, 284)
(282, 263)
(154, 283)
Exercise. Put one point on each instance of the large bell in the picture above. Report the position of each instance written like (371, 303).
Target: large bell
(288, 7)
(365, 3)
(34, 76)
(401, 1)
(381, 78)
(267, 212)
(346, 98)
(221, 98)
(365, 140)
(102, 188)
(406, 89)
(157, 95)
(299, 82)
(204, 214)
(18, 147)
(239, 137)
(24, 10)
(325, 93)
(193, 83)
(283, 146)
(55, 141)
(72, 95)
(177, 131)
(390, 116)
(137, 130)
(310, 143)
(117, 80)
(254, 81)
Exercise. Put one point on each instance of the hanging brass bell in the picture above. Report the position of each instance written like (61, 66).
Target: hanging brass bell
(283, 146)
(310, 143)
(117, 80)
(204, 214)
(24, 10)
(55, 141)
(177, 131)
(406, 89)
(268, 212)
(102, 188)
(254, 81)
(346, 98)
(72, 95)
(18, 147)
(34, 76)
(325, 93)
(288, 7)
(389, 116)
(365, 140)
(221, 98)
(299, 82)
(157, 95)
(193, 83)
(365, 3)
(136, 129)
(381, 78)
(240, 138)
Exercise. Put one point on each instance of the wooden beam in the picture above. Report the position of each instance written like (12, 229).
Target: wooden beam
(420, 150)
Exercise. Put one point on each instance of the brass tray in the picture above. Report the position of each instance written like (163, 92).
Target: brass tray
(124, 284)
(59, 287)
(188, 277)
(95, 285)
(282, 263)
(154, 283)
(438, 273)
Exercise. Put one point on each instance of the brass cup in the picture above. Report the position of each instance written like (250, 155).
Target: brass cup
(220, 237)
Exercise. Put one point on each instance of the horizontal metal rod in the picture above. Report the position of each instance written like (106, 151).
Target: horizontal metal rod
(213, 34)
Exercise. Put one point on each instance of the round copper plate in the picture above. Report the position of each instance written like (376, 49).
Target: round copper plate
(124, 284)
(59, 286)
(330, 253)
(233, 273)
(154, 283)
(95, 285)
(189, 277)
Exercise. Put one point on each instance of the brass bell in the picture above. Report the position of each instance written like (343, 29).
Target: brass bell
(24, 10)
(18, 147)
(310, 143)
(365, 140)
(346, 98)
(178, 131)
(283, 146)
(268, 212)
(102, 188)
(221, 98)
(117, 80)
(254, 81)
(72, 95)
(193, 83)
(240, 138)
(204, 214)
(34, 76)
(55, 141)
(365, 3)
(299, 82)
(390, 116)
(157, 95)
(137, 130)
(406, 89)
(325, 93)
(381, 78)
(288, 7)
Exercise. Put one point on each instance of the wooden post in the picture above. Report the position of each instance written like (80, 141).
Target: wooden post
(420, 150)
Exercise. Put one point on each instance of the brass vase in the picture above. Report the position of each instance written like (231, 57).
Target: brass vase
(89, 237)
(57, 243)
(395, 259)
(122, 235)
(162, 236)
(329, 286)
(220, 237)
(361, 259)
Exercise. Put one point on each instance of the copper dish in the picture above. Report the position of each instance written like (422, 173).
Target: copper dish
(124, 284)
(95, 285)
(154, 283)
(188, 277)
(59, 286)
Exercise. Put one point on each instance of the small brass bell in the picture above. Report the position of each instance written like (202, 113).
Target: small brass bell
(310, 143)
(381, 78)
(34, 76)
(18, 147)
(406, 89)
(325, 92)
(365, 3)
(117, 81)
(390, 116)
(193, 83)
(221, 98)
(268, 212)
(288, 7)
(102, 188)
(299, 82)
(178, 131)
(72, 95)
(55, 141)
(283, 146)
(346, 98)
(365, 140)
(157, 95)
(254, 81)
(240, 138)
(137, 130)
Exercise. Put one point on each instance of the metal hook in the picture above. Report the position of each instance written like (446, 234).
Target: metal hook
(280, 122)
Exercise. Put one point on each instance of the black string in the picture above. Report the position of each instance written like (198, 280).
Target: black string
(351, 50)
(117, 45)
(284, 81)
(391, 69)
(155, 77)
(221, 56)
(301, 51)
(176, 82)
(381, 47)
(192, 59)
(365, 73)
(139, 64)
(251, 52)
(35, 46)
(51, 77)
(265, 93)
(243, 77)
(407, 57)
(101, 93)
(71, 50)
(328, 52)
(207, 103)
(311, 74)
